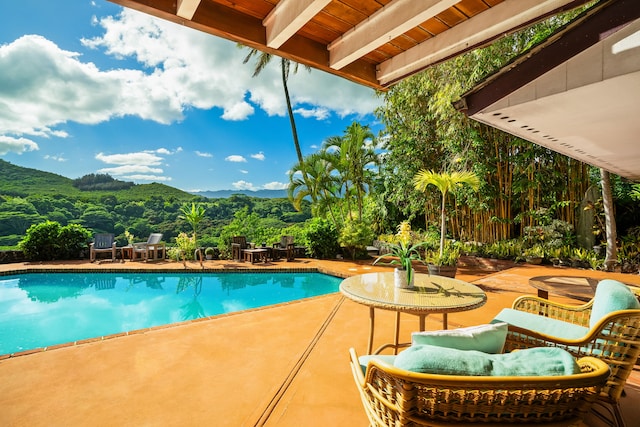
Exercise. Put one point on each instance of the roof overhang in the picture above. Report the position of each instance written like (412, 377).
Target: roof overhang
(578, 93)
(372, 42)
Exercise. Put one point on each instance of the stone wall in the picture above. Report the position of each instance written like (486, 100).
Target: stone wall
(7, 257)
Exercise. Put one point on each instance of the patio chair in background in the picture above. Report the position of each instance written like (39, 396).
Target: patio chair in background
(151, 249)
(238, 244)
(102, 243)
(607, 327)
(285, 247)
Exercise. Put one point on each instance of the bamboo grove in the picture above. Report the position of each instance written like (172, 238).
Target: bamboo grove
(520, 181)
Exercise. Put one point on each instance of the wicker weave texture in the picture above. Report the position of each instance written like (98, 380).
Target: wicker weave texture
(394, 397)
(615, 339)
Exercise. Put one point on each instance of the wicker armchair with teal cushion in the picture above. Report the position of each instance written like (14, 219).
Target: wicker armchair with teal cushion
(607, 327)
(427, 385)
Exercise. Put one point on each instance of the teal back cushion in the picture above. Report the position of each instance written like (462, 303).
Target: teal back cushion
(536, 361)
(486, 338)
(611, 295)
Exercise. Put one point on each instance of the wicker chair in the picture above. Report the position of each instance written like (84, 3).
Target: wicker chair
(615, 339)
(395, 397)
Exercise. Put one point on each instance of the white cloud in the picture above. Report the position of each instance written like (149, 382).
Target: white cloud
(201, 154)
(243, 185)
(16, 145)
(236, 159)
(128, 169)
(43, 86)
(56, 158)
(140, 158)
(136, 166)
(243, 171)
(147, 178)
(258, 156)
(275, 185)
(317, 113)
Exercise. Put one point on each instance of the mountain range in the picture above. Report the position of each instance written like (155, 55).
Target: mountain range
(21, 181)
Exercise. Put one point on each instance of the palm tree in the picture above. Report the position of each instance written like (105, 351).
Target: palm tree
(263, 59)
(444, 182)
(321, 186)
(352, 156)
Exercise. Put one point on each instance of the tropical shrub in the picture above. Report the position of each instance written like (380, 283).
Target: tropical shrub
(355, 235)
(74, 240)
(322, 239)
(49, 241)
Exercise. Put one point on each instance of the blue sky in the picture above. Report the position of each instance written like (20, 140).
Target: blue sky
(87, 87)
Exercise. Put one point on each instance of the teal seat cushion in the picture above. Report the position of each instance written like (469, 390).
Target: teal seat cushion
(386, 358)
(537, 361)
(486, 338)
(542, 324)
(610, 296)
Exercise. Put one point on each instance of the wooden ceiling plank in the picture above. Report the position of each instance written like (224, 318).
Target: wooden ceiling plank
(288, 17)
(187, 8)
(386, 24)
(500, 19)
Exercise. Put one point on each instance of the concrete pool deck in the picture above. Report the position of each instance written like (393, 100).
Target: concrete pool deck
(284, 365)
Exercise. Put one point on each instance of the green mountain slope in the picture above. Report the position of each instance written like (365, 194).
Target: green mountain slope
(20, 181)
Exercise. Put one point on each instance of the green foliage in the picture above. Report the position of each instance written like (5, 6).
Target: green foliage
(141, 209)
(41, 242)
(555, 234)
(322, 239)
(73, 241)
(405, 251)
(449, 256)
(185, 247)
(355, 235)
(194, 215)
(101, 182)
(49, 241)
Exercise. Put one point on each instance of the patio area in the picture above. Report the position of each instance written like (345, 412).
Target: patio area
(285, 365)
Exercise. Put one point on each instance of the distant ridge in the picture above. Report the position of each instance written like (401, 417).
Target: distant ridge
(261, 194)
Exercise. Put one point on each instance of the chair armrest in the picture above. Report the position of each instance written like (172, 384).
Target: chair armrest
(358, 376)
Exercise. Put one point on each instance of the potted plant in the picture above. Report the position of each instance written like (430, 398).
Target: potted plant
(402, 254)
(534, 255)
(209, 253)
(443, 263)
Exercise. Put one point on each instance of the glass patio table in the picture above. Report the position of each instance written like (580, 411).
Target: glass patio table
(430, 295)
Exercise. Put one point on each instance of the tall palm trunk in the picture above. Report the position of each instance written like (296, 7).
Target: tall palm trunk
(610, 221)
(294, 130)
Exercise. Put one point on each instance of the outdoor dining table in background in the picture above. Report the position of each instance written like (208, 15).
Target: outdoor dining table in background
(430, 295)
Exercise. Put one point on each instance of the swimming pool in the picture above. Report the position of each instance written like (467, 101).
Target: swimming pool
(45, 309)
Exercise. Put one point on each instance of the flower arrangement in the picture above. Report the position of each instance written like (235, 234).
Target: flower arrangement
(404, 252)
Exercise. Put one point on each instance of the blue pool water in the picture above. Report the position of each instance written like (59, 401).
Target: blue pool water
(40, 310)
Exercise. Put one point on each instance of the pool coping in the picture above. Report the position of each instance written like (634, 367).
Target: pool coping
(39, 269)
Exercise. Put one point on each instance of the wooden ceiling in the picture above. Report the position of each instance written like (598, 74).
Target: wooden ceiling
(372, 42)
